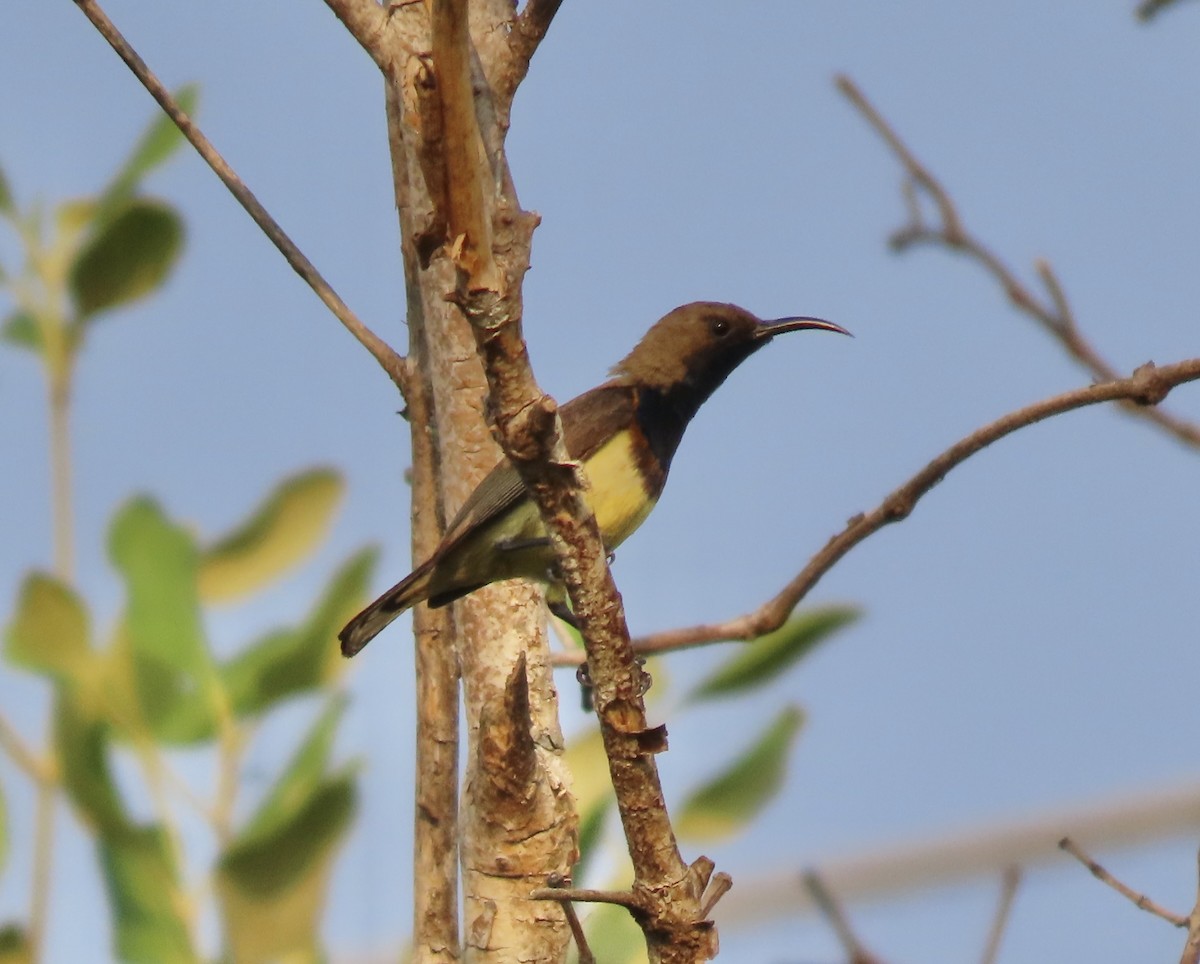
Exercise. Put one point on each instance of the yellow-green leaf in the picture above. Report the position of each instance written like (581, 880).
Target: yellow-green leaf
(157, 144)
(171, 659)
(591, 833)
(613, 936)
(295, 660)
(21, 329)
(282, 532)
(14, 945)
(7, 206)
(585, 758)
(50, 633)
(764, 659)
(81, 746)
(129, 257)
(145, 896)
(272, 888)
(730, 800)
(300, 780)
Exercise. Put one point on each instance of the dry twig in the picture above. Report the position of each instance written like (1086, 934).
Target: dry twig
(1141, 901)
(831, 910)
(1053, 313)
(1146, 386)
(383, 353)
(1008, 890)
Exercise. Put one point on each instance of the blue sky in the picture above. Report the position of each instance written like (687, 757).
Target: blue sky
(1030, 632)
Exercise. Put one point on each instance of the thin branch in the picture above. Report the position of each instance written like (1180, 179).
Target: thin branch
(881, 869)
(1008, 891)
(1146, 386)
(1053, 314)
(383, 353)
(831, 910)
(1141, 901)
(528, 31)
(21, 753)
(367, 22)
(622, 898)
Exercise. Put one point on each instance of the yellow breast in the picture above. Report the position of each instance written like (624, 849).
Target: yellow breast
(618, 494)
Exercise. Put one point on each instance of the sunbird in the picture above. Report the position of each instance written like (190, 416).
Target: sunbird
(625, 432)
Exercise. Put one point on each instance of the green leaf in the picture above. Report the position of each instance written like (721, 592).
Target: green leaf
(613, 936)
(73, 217)
(50, 633)
(146, 900)
(762, 660)
(158, 143)
(81, 745)
(129, 257)
(730, 800)
(284, 530)
(300, 780)
(14, 945)
(291, 661)
(585, 758)
(272, 887)
(21, 329)
(172, 666)
(591, 834)
(7, 206)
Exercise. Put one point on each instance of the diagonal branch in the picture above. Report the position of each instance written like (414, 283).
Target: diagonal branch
(1146, 386)
(367, 21)
(528, 31)
(1053, 313)
(1140, 901)
(383, 353)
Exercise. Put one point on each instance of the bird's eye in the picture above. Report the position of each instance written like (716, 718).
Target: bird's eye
(718, 326)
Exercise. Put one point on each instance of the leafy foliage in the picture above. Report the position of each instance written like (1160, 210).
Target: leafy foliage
(124, 696)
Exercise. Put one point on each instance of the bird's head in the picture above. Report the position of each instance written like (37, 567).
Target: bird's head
(695, 347)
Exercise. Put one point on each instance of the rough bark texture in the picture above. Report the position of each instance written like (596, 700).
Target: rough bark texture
(513, 834)
(452, 68)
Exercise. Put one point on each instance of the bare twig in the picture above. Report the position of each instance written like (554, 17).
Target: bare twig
(1146, 386)
(1053, 314)
(1008, 890)
(622, 898)
(1141, 901)
(21, 753)
(831, 910)
(383, 353)
(880, 870)
(528, 30)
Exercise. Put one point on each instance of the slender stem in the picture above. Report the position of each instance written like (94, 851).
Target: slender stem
(383, 353)
(1147, 386)
(157, 778)
(43, 860)
(60, 475)
(59, 376)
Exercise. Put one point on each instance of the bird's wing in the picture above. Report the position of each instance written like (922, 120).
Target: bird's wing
(588, 421)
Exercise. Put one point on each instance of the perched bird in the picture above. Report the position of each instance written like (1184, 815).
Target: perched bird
(625, 432)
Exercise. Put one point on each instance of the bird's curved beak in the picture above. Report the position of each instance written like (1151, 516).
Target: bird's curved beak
(777, 326)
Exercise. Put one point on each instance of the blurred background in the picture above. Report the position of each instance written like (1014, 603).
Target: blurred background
(1029, 638)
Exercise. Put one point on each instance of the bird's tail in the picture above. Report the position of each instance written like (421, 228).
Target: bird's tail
(371, 621)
